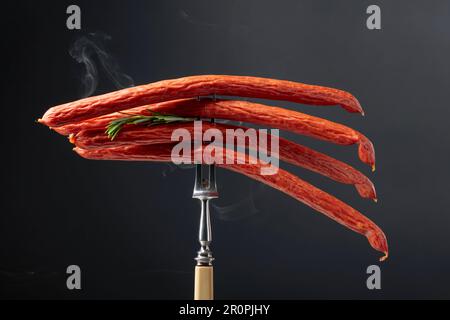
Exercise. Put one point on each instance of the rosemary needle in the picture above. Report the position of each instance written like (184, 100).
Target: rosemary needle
(115, 126)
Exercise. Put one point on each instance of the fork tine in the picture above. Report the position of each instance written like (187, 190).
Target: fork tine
(212, 169)
(198, 176)
(212, 177)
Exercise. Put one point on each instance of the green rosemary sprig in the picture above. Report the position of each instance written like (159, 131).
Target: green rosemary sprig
(114, 127)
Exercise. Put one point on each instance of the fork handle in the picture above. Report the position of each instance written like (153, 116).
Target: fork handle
(204, 283)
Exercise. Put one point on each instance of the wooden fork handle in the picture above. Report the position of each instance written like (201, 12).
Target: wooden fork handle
(204, 283)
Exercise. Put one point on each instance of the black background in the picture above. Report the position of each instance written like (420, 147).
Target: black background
(132, 227)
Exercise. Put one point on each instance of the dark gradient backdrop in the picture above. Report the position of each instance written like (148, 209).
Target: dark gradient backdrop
(132, 227)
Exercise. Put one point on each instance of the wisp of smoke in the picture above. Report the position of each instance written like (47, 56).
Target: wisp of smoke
(89, 51)
(187, 17)
(243, 208)
(240, 209)
(233, 28)
(171, 168)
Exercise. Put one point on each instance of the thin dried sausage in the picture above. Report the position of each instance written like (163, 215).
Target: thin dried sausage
(289, 151)
(250, 112)
(282, 181)
(193, 86)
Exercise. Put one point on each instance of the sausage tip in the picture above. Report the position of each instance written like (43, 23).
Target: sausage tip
(356, 106)
(42, 121)
(383, 258)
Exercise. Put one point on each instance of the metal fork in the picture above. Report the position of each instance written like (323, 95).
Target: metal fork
(205, 189)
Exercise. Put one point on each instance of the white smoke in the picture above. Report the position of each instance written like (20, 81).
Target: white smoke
(90, 51)
(241, 208)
